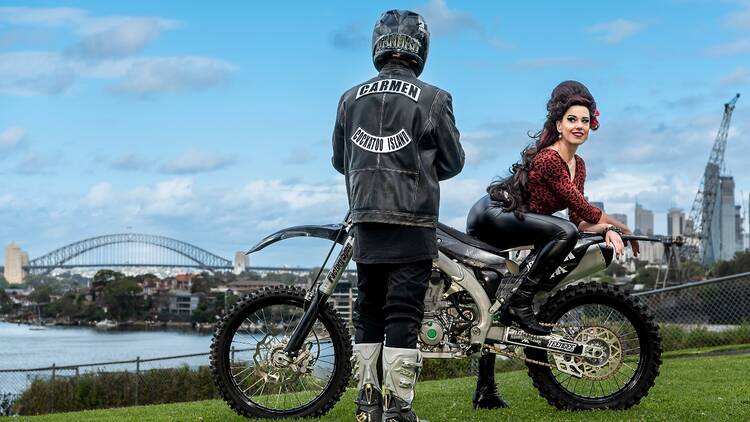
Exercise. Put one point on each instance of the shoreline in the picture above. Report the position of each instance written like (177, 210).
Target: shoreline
(120, 326)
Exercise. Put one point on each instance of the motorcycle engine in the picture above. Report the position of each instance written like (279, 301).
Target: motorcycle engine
(444, 320)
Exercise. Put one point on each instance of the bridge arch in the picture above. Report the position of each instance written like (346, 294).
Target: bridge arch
(199, 257)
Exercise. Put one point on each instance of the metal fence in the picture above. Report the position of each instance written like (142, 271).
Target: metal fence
(105, 384)
(706, 313)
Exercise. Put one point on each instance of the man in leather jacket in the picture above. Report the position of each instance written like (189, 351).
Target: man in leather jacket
(395, 138)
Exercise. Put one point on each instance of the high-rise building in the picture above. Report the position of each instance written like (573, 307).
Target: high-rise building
(598, 204)
(622, 218)
(644, 220)
(722, 243)
(739, 235)
(712, 244)
(240, 262)
(727, 232)
(675, 222)
(15, 260)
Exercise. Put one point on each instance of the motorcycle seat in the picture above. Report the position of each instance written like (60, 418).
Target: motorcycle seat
(466, 248)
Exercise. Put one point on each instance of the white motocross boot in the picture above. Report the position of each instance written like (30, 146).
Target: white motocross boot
(400, 372)
(369, 399)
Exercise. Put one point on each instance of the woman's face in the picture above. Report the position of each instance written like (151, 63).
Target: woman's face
(575, 125)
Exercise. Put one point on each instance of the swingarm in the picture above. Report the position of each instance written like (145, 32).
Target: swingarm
(570, 356)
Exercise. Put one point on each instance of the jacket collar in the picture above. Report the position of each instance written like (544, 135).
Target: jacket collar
(397, 68)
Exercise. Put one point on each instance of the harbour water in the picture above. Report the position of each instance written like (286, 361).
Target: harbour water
(23, 348)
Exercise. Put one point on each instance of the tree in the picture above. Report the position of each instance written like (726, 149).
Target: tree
(646, 277)
(739, 264)
(104, 276)
(202, 283)
(122, 298)
(6, 304)
(41, 294)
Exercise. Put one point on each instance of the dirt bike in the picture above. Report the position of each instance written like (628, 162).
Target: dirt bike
(284, 352)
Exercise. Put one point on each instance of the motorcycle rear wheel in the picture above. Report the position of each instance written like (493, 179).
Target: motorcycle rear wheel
(606, 316)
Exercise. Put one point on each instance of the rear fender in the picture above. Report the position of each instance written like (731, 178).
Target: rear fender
(332, 232)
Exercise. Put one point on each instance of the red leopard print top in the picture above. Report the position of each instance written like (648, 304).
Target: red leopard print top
(551, 190)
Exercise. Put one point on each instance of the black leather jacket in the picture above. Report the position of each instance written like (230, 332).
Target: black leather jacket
(395, 138)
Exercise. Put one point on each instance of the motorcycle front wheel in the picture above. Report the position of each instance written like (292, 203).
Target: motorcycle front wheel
(606, 317)
(254, 375)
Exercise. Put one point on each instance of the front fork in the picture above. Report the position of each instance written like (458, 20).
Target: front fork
(321, 294)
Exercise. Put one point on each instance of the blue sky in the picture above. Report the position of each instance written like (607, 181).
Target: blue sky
(211, 124)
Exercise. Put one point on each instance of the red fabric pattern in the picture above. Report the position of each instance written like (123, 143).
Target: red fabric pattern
(551, 190)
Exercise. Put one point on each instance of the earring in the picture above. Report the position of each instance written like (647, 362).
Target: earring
(559, 135)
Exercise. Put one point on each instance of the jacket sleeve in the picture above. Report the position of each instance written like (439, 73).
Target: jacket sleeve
(450, 155)
(338, 138)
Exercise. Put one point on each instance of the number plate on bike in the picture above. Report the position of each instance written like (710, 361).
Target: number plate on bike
(522, 338)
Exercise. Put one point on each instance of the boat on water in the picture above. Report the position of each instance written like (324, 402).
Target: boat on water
(38, 323)
(106, 324)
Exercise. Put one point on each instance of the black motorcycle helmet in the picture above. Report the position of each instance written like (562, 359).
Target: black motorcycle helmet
(401, 32)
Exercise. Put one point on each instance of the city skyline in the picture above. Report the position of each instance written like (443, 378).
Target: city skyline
(189, 123)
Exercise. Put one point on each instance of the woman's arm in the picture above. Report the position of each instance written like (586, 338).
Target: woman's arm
(606, 221)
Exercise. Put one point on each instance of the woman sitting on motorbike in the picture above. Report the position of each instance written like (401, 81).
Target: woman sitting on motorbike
(518, 211)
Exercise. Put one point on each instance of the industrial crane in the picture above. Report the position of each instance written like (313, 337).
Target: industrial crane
(698, 228)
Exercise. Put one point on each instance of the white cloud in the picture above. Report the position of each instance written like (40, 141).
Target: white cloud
(103, 50)
(172, 74)
(730, 49)
(192, 161)
(36, 73)
(442, 20)
(47, 17)
(46, 73)
(615, 31)
(117, 37)
(350, 37)
(741, 18)
(127, 162)
(38, 163)
(292, 196)
(7, 201)
(739, 76)
(99, 195)
(11, 138)
(171, 198)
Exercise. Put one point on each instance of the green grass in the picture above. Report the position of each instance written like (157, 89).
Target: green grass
(707, 388)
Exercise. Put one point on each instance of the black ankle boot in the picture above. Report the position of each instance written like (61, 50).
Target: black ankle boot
(520, 308)
(486, 395)
(369, 404)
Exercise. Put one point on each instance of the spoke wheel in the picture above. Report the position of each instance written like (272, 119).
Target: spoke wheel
(254, 374)
(605, 318)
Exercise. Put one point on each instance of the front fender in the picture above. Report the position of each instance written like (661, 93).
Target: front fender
(328, 231)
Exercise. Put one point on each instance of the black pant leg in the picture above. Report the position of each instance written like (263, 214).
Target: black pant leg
(404, 309)
(369, 318)
(561, 237)
(554, 237)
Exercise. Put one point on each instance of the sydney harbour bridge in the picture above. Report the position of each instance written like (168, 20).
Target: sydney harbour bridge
(123, 250)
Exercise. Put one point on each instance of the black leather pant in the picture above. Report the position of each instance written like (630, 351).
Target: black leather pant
(553, 238)
(390, 302)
